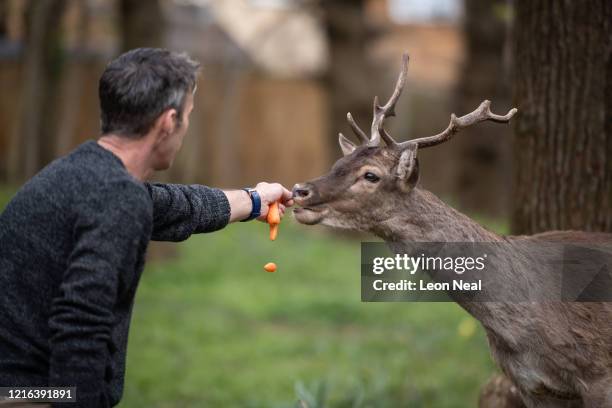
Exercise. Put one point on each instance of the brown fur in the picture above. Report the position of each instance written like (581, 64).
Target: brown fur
(555, 354)
(499, 392)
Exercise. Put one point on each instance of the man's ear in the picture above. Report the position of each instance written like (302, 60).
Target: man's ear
(346, 145)
(166, 123)
(408, 168)
(169, 120)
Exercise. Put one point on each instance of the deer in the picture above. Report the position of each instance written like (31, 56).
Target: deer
(550, 354)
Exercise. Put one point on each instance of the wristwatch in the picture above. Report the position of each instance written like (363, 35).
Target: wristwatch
(256, 204)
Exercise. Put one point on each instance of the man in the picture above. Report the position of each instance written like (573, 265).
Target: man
(73, 239)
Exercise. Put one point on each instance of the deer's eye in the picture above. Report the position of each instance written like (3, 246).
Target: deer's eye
(371, 177)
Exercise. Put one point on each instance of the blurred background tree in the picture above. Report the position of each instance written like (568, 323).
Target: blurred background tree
(33, 144)
(4, 10)
(349, 35)
(563, 141)
(484, 153)
(142, 24)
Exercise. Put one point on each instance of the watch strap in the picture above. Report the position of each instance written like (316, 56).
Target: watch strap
(255, 204)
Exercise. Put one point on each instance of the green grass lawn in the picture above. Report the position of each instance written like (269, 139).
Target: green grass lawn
(212, 329)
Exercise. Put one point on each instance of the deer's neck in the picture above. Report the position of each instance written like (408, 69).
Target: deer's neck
(423, 217)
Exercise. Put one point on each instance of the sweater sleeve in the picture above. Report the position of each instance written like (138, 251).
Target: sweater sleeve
(181, 210)
(109, 230)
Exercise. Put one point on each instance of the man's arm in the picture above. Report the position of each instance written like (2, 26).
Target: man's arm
(241, 205)
(110, 230)
(181, 210)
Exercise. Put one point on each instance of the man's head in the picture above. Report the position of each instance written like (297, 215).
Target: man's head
(148, 93)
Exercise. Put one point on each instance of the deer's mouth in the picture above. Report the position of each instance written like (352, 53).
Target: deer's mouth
(309, 215)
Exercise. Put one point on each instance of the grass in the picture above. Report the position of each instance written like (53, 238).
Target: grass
(212, 329)
(6, 192)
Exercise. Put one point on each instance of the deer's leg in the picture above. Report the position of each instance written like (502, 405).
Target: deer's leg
(500, 392)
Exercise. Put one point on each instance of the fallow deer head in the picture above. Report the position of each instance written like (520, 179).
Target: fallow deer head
(364, 187)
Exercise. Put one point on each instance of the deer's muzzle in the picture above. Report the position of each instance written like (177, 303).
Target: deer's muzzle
(302, 192)
(309, 211)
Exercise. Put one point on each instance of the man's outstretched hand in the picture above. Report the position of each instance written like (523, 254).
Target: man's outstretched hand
(271, 192)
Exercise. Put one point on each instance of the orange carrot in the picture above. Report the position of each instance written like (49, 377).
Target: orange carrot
(273, 219)
(270, 267)
(273, 231)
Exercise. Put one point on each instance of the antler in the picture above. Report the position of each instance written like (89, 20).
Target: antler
(382, 112)
(356, 129)
(482, 113)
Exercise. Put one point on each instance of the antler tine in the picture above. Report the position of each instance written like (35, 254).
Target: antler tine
(387, 138)
(356, 129)
(382, 112)
(482, 113)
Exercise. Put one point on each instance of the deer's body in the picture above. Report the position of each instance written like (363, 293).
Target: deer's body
(557, 354)
(554, 354)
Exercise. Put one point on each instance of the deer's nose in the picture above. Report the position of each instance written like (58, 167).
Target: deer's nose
(302, 191)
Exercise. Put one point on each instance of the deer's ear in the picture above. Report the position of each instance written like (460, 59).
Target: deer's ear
(408, 168)
(346, 145)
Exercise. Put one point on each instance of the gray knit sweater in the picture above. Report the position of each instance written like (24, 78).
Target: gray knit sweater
(72, 247)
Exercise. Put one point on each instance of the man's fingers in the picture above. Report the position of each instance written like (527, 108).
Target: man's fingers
(287, 195)
(275, 192)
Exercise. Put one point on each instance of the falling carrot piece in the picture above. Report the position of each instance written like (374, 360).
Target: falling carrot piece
(273, 219)
(270, 267)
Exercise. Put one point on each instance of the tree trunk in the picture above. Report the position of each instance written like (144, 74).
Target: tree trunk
(4, 16)
(563, 90)
(482, 175)
(349, 77)
(71, 89)
(33, 144)
(142, 24)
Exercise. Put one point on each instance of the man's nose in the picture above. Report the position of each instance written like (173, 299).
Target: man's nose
(302, 191)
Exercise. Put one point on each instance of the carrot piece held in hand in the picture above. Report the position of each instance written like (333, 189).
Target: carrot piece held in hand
(273, 219)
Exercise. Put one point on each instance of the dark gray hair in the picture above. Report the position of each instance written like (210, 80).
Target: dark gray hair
(139, 85)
